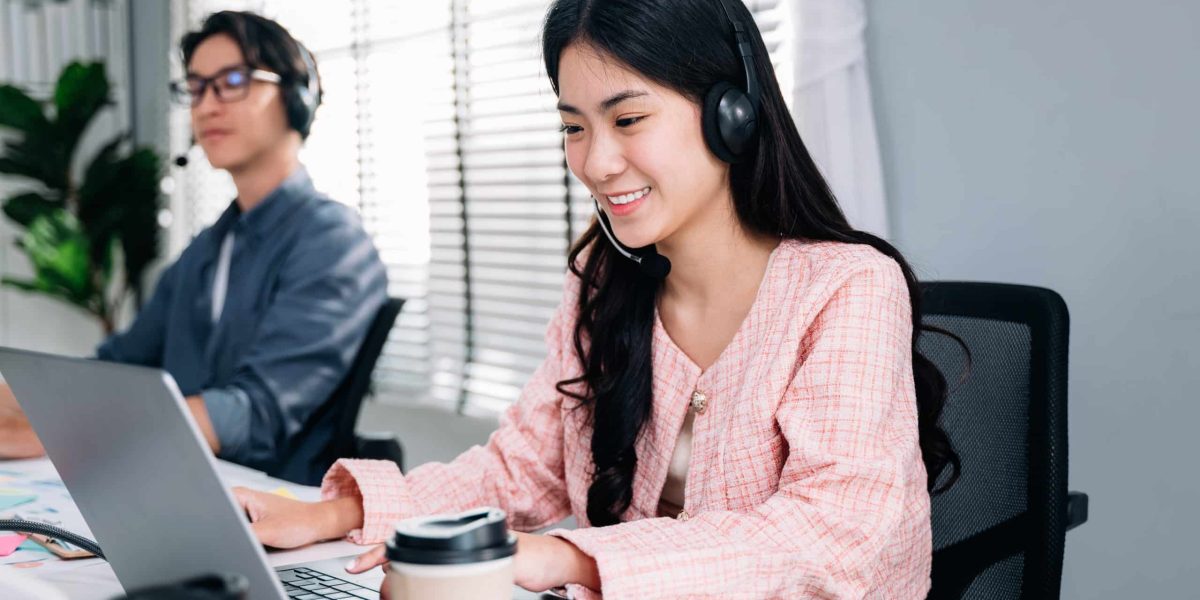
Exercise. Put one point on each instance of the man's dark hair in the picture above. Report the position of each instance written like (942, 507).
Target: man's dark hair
(266, 45)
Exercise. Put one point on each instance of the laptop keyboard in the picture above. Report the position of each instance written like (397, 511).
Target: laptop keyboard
(307, 584)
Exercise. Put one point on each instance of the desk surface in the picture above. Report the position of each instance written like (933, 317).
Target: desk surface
(93, 579)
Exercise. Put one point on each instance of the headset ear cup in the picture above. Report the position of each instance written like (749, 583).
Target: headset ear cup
(738, 122)
(291, 106)
(710, 124)
(299, 109)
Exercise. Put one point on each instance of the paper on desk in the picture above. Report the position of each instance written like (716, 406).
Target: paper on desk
(53, 506)
(283, 491)
(10, 497)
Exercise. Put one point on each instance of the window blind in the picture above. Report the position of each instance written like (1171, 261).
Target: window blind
(439, 126)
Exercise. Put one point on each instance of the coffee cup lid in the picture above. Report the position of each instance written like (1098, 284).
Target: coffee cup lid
(473, 536)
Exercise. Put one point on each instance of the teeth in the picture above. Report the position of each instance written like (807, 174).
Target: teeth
(630, 197)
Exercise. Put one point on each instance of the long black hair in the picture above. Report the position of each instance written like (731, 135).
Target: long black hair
(688, 46)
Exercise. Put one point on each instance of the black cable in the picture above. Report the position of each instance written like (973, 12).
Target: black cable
(23, 526)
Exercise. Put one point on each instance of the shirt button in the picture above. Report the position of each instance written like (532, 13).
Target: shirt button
(699, 402)
(683, 515)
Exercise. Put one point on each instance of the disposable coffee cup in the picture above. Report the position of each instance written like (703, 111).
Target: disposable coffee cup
(467, 556)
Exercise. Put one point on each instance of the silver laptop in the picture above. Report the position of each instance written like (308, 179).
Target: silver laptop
(145, 481)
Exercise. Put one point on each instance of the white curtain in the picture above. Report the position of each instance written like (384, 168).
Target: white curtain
(833, 104)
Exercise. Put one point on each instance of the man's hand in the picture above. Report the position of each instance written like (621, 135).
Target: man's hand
(7, 400)
(544, 562)
(199, 412)
(17, 439)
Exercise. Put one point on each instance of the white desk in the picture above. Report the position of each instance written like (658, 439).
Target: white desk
(93, 579)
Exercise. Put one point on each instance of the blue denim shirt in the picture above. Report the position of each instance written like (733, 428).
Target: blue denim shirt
(305, 281)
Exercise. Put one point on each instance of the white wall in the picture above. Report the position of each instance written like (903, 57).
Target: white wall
(1056, 143)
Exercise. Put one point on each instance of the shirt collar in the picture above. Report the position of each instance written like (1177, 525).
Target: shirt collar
(258, 221)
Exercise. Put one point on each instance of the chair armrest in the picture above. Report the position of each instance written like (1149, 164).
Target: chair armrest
(1077, 509)
(378, 445)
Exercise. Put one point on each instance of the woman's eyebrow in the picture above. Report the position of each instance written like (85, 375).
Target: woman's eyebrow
(608, 103)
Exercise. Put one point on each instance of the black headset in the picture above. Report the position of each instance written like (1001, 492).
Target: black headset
(730, 116)
(301, 99)
(730, 126)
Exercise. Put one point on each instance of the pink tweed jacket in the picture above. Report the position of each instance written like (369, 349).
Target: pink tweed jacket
(806, 479)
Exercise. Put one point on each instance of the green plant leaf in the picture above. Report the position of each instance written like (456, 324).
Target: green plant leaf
(25, 208)
(27, 285)
(139, 232)
(119, 200)
(100, 199)
(20, 112)
(102, 173)
(81, 92)
(116, 204)
(39, 157)
(58, 249)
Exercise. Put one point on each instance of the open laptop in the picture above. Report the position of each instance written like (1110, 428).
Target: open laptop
(146, 483)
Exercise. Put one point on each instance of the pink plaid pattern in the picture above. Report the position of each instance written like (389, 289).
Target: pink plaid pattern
(806, 478)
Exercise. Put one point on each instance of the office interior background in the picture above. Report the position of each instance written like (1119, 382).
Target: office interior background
(1050, 143)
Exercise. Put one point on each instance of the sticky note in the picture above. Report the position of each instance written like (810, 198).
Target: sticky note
(32, 545)
(10, 497)
(10, 542)
(286, 493)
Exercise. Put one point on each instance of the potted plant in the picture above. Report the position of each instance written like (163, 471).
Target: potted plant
(89, 239)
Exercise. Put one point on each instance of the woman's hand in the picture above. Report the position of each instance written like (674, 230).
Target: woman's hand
(541, 563)
(285, 523)
(370, 559)
(544, 562)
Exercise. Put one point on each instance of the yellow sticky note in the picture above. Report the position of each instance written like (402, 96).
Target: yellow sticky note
(286, 493)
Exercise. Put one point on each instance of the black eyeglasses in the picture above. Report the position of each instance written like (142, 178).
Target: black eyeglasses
(229, 84)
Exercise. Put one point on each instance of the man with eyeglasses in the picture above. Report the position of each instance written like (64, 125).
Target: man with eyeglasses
(260, 317)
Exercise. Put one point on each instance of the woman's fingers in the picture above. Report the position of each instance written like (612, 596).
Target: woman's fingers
(368, 560)
(385, 589)
(277, 522)
(246, 498)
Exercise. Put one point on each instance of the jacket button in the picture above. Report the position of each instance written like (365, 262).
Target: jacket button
(699, 402)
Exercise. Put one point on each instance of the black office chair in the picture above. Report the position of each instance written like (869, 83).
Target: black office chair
(999, 532)
(348, 397)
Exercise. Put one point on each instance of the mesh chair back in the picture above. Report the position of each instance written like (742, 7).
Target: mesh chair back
(999, 532)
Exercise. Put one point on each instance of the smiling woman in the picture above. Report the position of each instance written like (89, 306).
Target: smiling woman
(755, 424)
(638, 148)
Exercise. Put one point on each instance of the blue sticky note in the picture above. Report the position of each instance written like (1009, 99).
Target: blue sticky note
(32, 545)
(10, 497)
